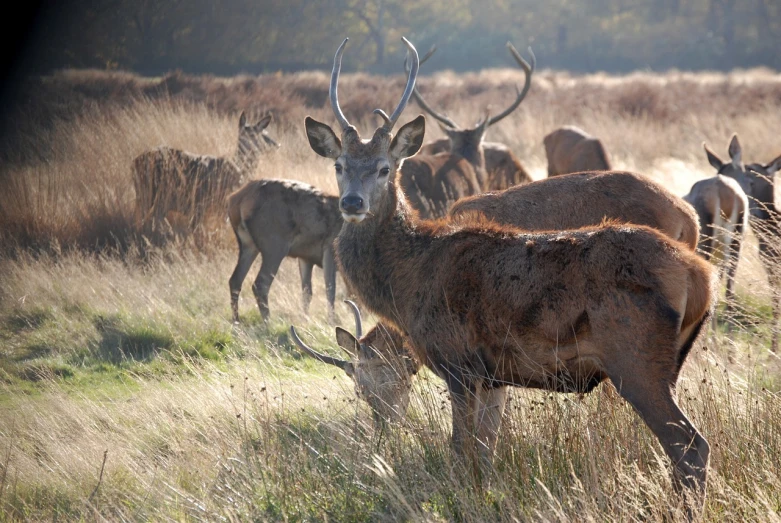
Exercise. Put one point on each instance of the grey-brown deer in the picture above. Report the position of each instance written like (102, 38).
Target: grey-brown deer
(434, 179)
(180, 188)
(564, 202)
(487, 306)
(277, 219)
(758, 181)
(723, 209)
(570, 149)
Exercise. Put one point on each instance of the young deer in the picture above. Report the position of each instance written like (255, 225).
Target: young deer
(178, 186)
(723, 211)
(758, 182)
(570, 149)
(432, 182)
(280, 218)
(486, 306)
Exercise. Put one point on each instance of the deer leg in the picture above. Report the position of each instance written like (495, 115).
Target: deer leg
(463, 402)
(684, 445)
(329, 274)
(272, 259)
(488, 420)
(305, 270)
(247, 254)
(732, 269)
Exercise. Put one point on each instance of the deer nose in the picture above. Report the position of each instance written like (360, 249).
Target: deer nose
(352, 204)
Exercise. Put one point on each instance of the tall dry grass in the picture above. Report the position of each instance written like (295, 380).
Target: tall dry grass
(131, 350)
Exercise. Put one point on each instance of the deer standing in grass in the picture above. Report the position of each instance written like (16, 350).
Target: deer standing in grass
(434, 180)
(487, 306)
(564, 202)
(723, 211)
(570, 149)
(758, 181)
(180, 188)
(277, 219)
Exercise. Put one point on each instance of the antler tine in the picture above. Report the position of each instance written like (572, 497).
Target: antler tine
(529, 70)
(419, 98)
(413, 75)
(342, 364)
(357, 314)
(333, 90)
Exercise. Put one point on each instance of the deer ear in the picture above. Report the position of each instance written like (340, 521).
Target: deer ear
(347, 342)
(322, 139)
(714, 160)
(409, 139)
(735, 151)
(263, 123)
(774, 166)
(242, 120)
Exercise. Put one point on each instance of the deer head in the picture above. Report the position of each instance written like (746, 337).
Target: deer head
(365, 168)
(379, 366)
(466, 141)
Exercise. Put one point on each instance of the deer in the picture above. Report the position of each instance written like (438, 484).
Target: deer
(281, 218)
(380, 365)
(564, 202)
(570, 149)
(758, 182)
(486, 306)
(180, 188)
(722, 208)
(433, 181)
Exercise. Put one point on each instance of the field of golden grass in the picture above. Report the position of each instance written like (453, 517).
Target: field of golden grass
(127, 394)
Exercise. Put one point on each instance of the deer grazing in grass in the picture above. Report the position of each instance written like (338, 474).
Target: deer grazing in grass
(181, 188)
(564, 202)
(486, 306)
(722, 208)
(439, 176)
(570, 149)
(280, 218)
(758, 181)
(380, 365)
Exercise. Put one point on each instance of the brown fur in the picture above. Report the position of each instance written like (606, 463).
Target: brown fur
(179, 186)
(280, 218)
(490, 306)
(503, 168)
(576, 200)
(570, 149)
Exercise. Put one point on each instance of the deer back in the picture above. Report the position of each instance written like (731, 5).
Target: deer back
(584, 199)
(570, 149)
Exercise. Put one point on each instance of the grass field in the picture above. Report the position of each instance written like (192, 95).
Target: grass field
(127, 394)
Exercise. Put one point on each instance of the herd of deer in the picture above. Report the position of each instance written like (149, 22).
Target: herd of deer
(487, 278)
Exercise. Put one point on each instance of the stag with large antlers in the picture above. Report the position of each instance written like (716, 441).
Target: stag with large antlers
(450, 169)
(486, 306)
(759, 183)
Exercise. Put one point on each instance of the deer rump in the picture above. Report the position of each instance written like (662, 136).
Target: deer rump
(554, 311)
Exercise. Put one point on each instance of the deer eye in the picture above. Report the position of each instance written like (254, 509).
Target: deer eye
(385, 171)
(338, 168)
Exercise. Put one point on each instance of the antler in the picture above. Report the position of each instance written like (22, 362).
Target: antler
(528, 69)
(334, 81)
(357, 314)
(419, 98)
(342, 364)
(390, 121)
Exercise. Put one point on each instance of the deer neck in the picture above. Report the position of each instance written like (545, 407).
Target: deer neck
(476, 158)
(246, 159)
(371, 254)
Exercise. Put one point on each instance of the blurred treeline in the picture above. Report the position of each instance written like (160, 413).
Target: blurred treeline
(226, 37)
